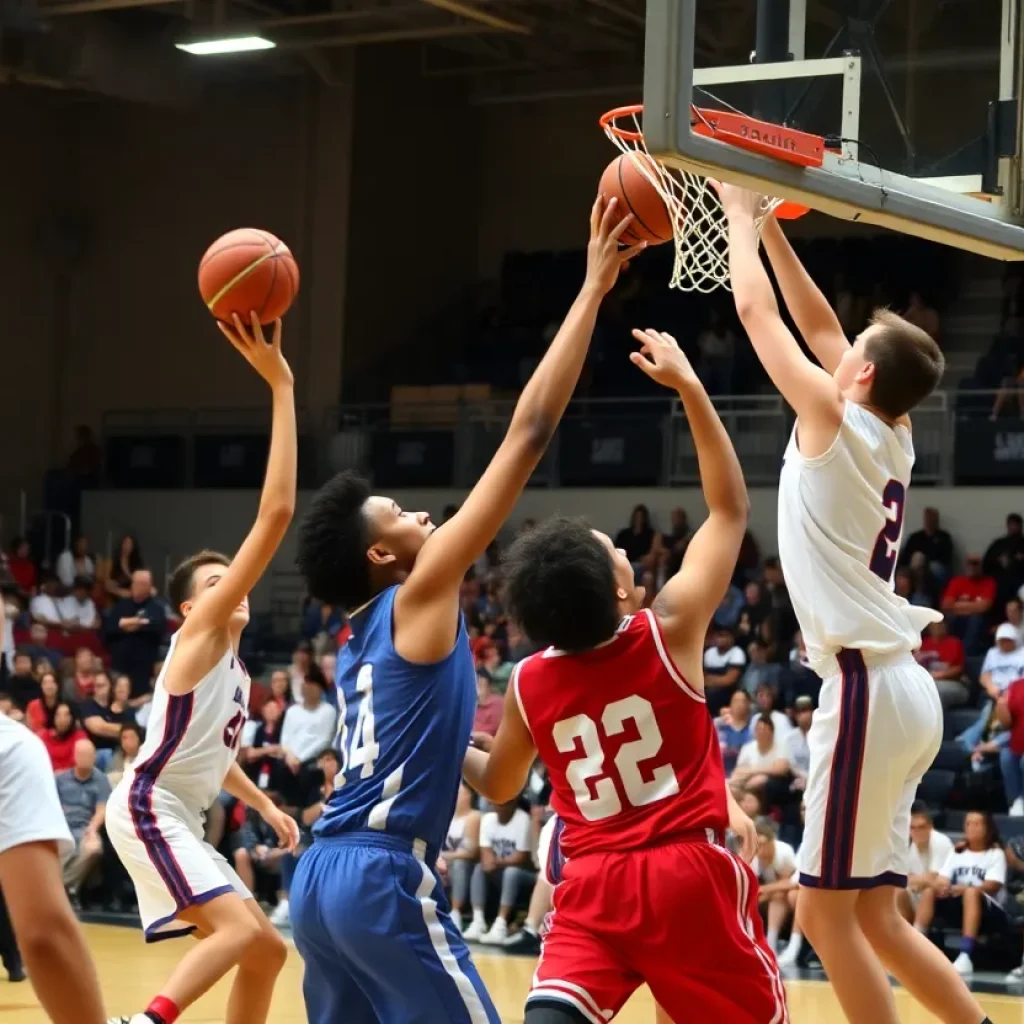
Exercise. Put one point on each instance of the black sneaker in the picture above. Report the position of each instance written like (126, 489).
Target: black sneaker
(524, 943)
(16, 971)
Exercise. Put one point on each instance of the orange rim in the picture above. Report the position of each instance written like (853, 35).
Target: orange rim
(607, 122)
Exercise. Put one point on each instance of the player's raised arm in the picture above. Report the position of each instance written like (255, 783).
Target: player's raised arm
(687, 602)
(814, 317)
(448, 553)
(500, 774)
(213, 606)
(808, 388)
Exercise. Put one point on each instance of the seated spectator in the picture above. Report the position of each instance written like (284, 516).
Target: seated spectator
(766, 699)
(723, 666)
(83, 682)
(926, 587)
(21, 567)
(125, 564)
(83, 791)
(1003, 664)
(263, 759)
(637, 540)
(461, 851)
(759, 760)
(778, 597)
(505, 869)
(298, 670)
(967, 601)
(1009, 547)
(802, 680)
(321, 625)
(41, 711)
(60, 739)
(1014, 615)
(499, 667)
(785, 790)
(102, 718)
(22, 686)
(760, 671)
(775, 866)
(489, 705)
(135, 631)
(966, 893)
(258, 855)
(77, 610)
(10, 609)
(942, 654)
(735, 728)
(127, 752)
(727, 614)
(75, 564)
(934, 543)
(308, 728)
(281, 689)
(756, 608)
(674, 543)
(929, 852)
(43, 608)
(985, 738)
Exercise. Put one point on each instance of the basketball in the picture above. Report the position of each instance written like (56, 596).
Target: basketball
(248, 271)
(623, 180)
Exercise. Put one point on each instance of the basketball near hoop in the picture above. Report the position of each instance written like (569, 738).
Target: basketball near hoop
(630, 178)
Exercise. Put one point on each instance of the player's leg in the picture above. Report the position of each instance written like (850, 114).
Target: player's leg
(257, 973)
(10, 955)
(59, 965)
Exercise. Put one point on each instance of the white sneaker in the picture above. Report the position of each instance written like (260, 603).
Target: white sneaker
(1017, 808)
(1016, 976)
(139, 1018)
(456, 916)
(788, 957)
(280, 917)
(497, 934)
(963, 964)
(475, 930)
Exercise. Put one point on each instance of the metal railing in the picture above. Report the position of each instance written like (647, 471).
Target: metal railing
(600, 442)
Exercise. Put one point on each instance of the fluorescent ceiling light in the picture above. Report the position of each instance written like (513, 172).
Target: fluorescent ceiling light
(236, 44)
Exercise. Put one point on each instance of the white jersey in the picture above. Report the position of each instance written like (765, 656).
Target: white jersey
(840, 522)
(192, 739)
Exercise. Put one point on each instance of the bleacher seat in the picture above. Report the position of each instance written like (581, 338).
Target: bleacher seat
(1009, 828)
(951, 757)
(956, 721)
(936, 786)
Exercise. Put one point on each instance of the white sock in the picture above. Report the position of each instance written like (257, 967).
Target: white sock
(796, 939)
(773, 938)
(478, 915)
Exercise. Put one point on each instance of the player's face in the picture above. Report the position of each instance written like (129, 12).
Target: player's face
(630, 596)
(399, 534)
(207, 576)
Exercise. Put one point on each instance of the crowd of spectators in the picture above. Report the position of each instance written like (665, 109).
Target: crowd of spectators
(84, 683)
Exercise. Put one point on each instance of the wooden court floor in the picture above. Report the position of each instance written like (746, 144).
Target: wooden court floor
(132, 972)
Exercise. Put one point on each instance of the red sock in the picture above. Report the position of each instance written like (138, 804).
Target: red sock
(163, 1011)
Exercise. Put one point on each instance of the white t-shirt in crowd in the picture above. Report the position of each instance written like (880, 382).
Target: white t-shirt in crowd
(67, 569)
(508, 838)
(798, 751)
(940, 846)
(716, 661)
(72, 610)
(972, 868)
(44, 608)
(1005, 667)
(782, 865)
(7, 639)
(751, 757)
(308, 732)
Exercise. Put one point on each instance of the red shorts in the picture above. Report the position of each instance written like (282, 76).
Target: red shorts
(683, 918)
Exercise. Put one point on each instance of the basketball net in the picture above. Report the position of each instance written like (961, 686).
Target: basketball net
(699, 227)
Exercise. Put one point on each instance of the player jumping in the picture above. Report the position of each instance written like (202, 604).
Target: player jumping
(200, 704)
(615, 707)
(842, 496)
(369, 916)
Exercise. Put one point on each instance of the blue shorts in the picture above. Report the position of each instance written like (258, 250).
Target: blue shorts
(372, 925)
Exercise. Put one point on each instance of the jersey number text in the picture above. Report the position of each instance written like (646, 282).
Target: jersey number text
(233, 730)
(596, 794)
(358, 749)
(887, 546)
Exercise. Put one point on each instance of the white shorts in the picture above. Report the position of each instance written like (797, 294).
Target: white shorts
(875, 733)
(30, 810)
(161, 846)
(550, 858)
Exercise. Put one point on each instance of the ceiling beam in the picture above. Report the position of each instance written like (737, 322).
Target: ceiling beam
(397, 35)
(493, 21)
(88, 6)
(325, 17)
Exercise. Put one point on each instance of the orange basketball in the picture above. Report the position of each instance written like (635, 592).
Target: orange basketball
(248, 271)
(624, 180)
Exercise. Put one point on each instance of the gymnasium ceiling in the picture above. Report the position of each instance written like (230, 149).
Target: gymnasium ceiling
(505, 49)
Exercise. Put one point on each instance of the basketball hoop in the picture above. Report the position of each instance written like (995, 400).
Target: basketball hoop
(698, 220)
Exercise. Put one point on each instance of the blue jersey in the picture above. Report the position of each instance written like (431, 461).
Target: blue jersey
(403, 733)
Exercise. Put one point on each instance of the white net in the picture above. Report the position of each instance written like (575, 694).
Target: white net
(698, 221)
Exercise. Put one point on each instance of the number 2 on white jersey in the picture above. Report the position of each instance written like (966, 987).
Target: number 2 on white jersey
(605, 802)
(361, 749)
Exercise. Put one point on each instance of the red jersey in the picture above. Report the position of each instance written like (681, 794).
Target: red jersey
(631, 751)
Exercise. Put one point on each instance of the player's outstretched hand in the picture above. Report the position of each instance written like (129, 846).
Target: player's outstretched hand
(738, 201)
(605, 258)
(266, 358)
(743, 828)
(661, 358)
(285, 827)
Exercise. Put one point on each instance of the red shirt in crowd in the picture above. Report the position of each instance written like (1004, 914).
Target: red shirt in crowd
(938, 653)
(970, 588)
(1015, 702)
(61, 748)
(23, 572)
(488, 714)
